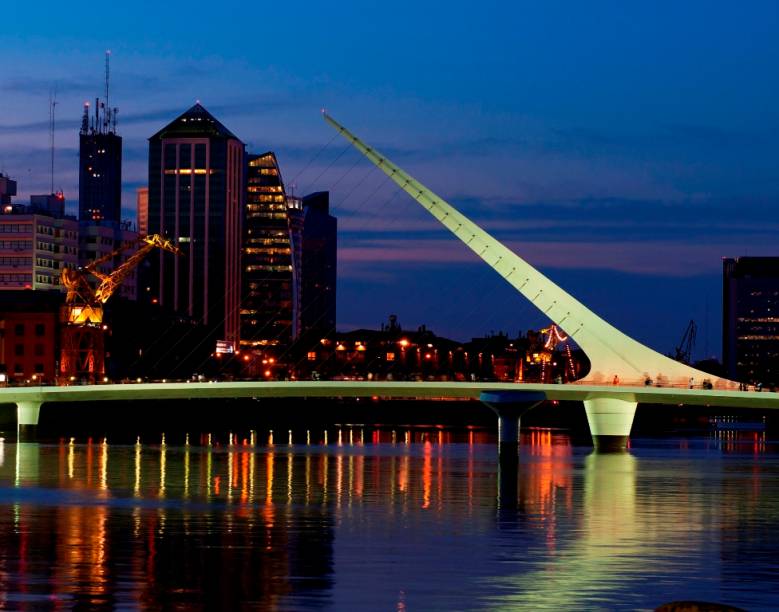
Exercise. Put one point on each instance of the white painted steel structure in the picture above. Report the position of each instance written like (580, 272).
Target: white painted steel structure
(614, 356)
(611, 352)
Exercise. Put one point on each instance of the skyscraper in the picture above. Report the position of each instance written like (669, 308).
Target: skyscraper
(750, 309)
(320, 258)
(268, 297)
(196, 194)
(100, 166)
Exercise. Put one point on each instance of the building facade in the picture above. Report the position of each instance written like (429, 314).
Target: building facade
(268, 296)
(34, 249)
(52, 204)
(319, 265)
(142, 210)
(196, 196)
(750, 326)
(29, 330)
(100, 168)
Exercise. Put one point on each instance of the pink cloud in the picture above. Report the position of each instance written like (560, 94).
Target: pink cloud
(645, 257)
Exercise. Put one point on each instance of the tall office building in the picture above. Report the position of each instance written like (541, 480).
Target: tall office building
(268, 310)
(196, 195)
(320, 258)
(750, 309)
(100, 166)
(142, 210)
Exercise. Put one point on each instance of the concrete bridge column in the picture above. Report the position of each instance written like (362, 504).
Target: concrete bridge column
(610, 420)
(510, 406)
(27, 420)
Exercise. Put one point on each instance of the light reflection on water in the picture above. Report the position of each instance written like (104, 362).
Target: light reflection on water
(388, 519)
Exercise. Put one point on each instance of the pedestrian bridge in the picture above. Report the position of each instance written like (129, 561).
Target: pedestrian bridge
(614, 356)
(603, 403)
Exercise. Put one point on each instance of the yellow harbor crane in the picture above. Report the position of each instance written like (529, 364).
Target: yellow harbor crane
(82, 353)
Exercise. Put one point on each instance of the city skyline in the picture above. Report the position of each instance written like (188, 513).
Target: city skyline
(638, 182)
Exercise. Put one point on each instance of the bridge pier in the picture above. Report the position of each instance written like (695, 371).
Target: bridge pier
(27, 414)
(610, 421)
(510, 406)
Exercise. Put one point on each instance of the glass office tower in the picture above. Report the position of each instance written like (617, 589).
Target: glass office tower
(268, 309)
(196, 196)
(750, 309)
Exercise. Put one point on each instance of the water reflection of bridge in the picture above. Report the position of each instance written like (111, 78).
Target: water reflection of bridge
(275, 524)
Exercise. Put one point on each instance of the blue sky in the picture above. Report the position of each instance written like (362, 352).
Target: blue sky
(624, 148)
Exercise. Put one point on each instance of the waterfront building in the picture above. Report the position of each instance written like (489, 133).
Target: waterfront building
(100, 166)
(271, 248)
(319, 264)
(29, 323)
(750, 319)
(196, 194)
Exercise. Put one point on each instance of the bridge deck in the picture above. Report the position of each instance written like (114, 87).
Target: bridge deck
(384, 389)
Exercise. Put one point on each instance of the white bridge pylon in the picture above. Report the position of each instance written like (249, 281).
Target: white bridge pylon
(611, 352)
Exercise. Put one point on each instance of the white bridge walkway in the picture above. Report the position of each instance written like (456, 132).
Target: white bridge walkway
(607, 422)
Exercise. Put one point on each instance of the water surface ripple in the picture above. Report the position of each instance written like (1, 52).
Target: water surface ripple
(380, 520)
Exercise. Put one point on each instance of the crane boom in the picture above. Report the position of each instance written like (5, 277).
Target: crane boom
(111, 282)
(85, 305)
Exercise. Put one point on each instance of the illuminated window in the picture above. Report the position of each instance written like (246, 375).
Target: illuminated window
(312, 355)
(390, 356)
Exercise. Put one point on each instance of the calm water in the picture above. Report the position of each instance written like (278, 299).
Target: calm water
(388, 521)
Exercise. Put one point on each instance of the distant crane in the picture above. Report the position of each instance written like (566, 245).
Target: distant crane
(687, 344)
(82, 353)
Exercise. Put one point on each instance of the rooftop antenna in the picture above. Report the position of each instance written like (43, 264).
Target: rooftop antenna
(107, 115)
(52, 105)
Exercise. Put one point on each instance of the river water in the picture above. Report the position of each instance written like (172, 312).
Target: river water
(401, 519)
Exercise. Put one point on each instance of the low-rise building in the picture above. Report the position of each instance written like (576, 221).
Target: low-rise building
(29, 332)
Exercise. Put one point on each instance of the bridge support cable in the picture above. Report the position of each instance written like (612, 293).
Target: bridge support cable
(614, 356)
(610, 420)
(27, 415)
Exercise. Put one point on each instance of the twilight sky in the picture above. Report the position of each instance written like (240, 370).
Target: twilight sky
(623, 148)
